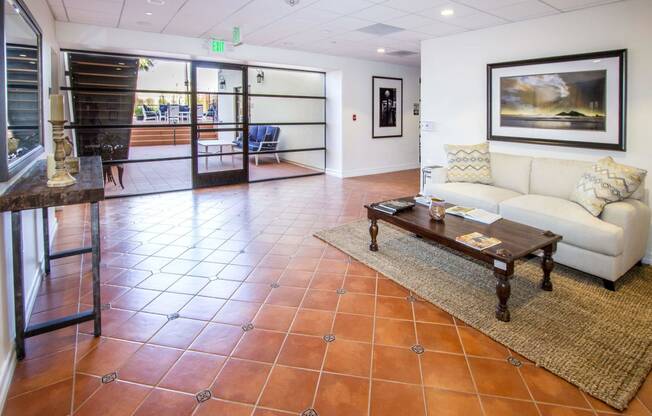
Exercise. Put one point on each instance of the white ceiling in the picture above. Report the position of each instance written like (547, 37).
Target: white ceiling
(323, 26)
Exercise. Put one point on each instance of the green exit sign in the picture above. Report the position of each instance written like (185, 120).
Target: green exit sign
(217, 45)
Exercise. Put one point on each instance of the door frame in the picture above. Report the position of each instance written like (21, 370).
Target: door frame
(227, 177)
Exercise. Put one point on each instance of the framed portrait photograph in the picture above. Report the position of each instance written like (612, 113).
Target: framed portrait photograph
(387, 104)
(573, 100)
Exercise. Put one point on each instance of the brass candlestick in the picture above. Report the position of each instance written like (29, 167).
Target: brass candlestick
(61, 175)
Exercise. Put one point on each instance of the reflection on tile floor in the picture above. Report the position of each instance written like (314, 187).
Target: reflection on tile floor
(222, 303)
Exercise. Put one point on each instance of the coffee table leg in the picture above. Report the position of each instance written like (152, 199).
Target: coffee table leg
(373, 231)
(547, 264)
(503, 290)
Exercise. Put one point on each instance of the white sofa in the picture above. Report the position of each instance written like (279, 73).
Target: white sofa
(536, 192)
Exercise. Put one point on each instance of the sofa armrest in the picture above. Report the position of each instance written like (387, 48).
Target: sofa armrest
(633, 216)
(438, 175)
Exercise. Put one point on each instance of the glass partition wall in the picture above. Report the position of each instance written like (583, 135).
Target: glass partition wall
(163, 124)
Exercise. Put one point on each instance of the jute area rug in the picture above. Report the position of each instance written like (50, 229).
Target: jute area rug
(601, 341)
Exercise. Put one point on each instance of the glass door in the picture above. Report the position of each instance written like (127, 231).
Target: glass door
(218, 143)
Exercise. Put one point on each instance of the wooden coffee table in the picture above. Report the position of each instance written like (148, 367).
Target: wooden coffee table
(518, 241)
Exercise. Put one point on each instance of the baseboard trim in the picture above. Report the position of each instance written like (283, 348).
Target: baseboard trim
(6, 374)
(379, 170)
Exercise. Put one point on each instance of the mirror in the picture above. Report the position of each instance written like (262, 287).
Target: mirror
(22, 43)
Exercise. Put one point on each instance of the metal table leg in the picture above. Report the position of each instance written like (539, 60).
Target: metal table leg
(95, 238)
(19, 300)
(46, 240)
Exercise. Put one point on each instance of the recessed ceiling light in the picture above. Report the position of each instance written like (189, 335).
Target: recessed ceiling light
(156, 2)
(149, 13)
(292, 2)
(380, 50)
(447, 12)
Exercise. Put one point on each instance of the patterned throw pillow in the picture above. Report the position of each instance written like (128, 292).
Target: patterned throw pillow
(605, 182)
(470, 163)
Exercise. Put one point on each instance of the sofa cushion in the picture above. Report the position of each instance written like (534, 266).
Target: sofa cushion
(566, 218)
(556, 177)
(511, 171)
(605, 182)
(474, 195)
(469, 163)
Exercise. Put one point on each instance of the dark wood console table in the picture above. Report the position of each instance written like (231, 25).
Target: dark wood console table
(31, 192)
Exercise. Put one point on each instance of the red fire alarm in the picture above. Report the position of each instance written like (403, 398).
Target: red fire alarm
(355, 117)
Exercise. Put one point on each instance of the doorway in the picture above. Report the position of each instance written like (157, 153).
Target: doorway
(218, 143)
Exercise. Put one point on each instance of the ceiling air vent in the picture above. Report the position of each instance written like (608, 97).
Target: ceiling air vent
(401, 53)
(380, 29)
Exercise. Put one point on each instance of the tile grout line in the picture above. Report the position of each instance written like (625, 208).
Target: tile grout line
(373, 347)
(303, 298)
(332, 329)
(419, 356)
(79, 295)
(468, 366)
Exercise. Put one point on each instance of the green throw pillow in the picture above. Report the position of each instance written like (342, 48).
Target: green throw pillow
(469, 163)
(606, 181)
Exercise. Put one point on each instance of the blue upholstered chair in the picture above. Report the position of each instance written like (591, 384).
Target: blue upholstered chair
(261, 139)
(149, 114)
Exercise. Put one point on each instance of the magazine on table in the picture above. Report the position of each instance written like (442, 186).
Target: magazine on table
(475, 214)
(477, 241)
(393, 206)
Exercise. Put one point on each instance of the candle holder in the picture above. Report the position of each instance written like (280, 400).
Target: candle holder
(61, 175)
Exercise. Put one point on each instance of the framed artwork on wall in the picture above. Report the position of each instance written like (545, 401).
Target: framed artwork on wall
(573, 100)
(387, 107)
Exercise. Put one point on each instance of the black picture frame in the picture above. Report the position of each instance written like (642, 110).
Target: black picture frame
(7, 170)
(620, 54)
(399, 114)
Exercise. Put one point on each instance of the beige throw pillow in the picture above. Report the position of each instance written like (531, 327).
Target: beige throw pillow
(605, 182)
(469, 163)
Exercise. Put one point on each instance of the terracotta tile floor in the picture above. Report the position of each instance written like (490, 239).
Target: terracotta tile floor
(262, 327)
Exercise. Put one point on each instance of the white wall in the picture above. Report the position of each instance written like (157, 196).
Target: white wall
(32, 223)
(359, 154)
(454, 77)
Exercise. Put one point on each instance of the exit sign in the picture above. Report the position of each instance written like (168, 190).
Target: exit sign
(217, 46)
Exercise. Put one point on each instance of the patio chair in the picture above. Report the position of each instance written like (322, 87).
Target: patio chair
(163, 112)
(173, 113)
(261, 139)
(184, 112)
(149, 114)
(200, 111)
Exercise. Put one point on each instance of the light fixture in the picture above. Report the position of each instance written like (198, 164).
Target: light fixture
(595, 61)
(156, 2)
(22, 55)
(380, 50)
(260, 78)
(447, 12)
(121, 63)
(118, 69)
(292, 3)
(222, 83)
(149, 13)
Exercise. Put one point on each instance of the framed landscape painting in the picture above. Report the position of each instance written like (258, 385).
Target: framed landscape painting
(387, 105)
(574, 100)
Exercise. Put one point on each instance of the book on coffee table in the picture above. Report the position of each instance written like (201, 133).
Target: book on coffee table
(393, 206)
(474, 214)
(478, 241)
